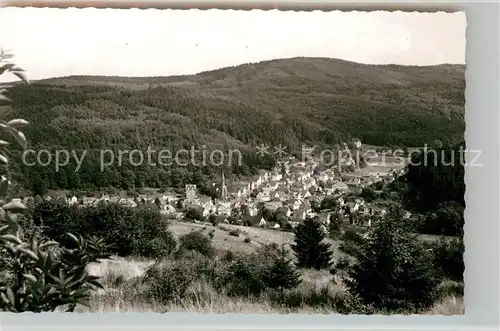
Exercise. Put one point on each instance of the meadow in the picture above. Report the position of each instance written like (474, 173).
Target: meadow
(122, 281)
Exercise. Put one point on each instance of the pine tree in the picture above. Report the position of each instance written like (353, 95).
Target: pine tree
(282, 274)
(335, 227)
(309, 248)
(393, 270)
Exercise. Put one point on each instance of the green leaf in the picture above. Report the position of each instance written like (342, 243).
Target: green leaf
(73, 237)
(6, 67)
(14, 207)
(48, 244)
(30, 277)
(4, 186)
(34, 247)
(18, 135)
(4, 298)
(11, 296)
(17, 123)
(29, 253)
(11, 238)
(21, 76)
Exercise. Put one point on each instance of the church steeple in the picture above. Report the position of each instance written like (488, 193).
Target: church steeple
(223, 187)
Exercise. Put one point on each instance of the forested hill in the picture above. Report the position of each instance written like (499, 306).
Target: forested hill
(288, 101)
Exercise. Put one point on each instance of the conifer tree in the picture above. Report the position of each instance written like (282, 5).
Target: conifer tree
(309, 248)
(282, 274)
(393, 270)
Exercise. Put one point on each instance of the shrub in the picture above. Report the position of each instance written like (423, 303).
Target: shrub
(393, 270)
(38, 275)
(243, 277)
(56, 218)
(247, 240)
(447, 219)
(43, 276)
(342, 267)
(450, 288)
(140, 231)
(342, 303)
(234, 233)
(309, 248)
(213, 219)
(335, 226)
(329, 202)
(251, 275)
(449, 258)
(450, 216)
(170, 279)
(368, 194)
(149, 233)
(351, 242)
(197, 241)
(194, 213)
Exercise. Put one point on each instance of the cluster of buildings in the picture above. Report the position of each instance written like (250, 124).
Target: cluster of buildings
(291, 190)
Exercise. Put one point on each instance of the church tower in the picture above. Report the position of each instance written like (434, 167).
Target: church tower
(223, 188)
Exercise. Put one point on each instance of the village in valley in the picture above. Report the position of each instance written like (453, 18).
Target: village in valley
(283, 197)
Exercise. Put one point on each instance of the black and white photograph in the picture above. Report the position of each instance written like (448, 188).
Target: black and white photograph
(232, 161)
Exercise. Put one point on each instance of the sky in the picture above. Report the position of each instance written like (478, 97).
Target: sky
(51, 42)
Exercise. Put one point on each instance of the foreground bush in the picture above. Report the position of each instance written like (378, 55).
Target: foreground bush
(250, 275)
(235, 275)
(169, 279)
(38, 275)
(129, 231)
(448, 220)
(449, 258)
(196, 241)
(42, 276)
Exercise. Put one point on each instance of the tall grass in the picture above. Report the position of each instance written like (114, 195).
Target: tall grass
(125, 292)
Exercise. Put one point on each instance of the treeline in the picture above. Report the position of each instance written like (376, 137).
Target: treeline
(436, 187)
(106, 117)
(38, 179)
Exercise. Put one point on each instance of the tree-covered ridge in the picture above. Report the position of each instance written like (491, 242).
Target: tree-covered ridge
(289, 102)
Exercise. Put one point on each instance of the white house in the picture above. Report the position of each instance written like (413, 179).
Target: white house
(273, 205)
(223, 208)
(288, 212)
(306, 194)
(352, 206)
(299, 214)
(167, 209)
(277, 177)
(73, 200)
(296, 204)
(128, 202)
(323, 228)
(262, 222)
(263, 196)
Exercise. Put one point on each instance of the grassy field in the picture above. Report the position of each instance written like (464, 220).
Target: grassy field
(124, 291)
(258, 236)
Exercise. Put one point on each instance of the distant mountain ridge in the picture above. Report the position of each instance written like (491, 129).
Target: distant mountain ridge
(287, 101)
